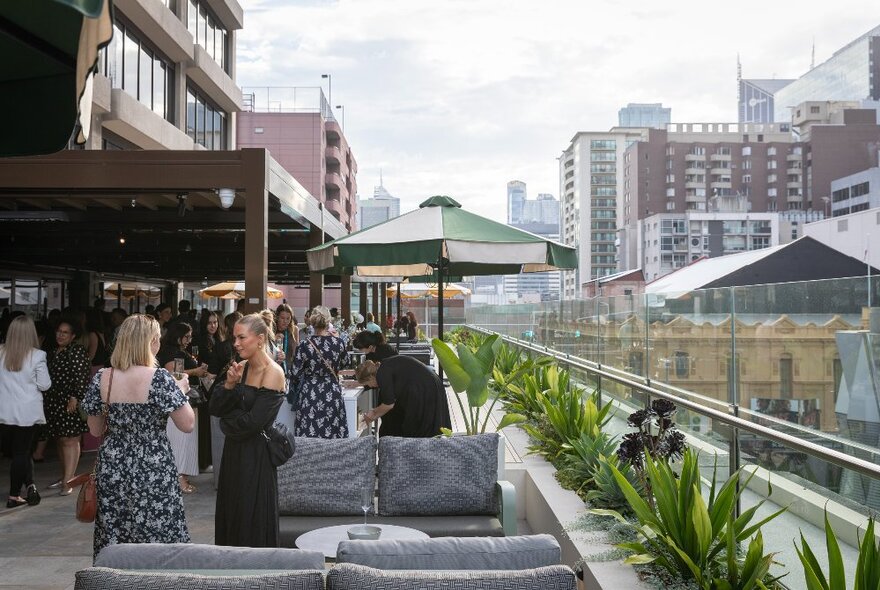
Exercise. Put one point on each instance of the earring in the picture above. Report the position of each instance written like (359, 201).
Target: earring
(260, 345)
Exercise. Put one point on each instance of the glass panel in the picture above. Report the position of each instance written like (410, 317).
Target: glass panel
(191, 114)
(159, 96)
(209, 128)
(145, 79)
(115, 57)
(200, 120)
(203, 26)
(130, 71)
(192, 19)
(218, 131)
(209, 40)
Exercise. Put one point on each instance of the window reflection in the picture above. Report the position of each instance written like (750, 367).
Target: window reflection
(139, 69)
(207, 31)
(205, 123)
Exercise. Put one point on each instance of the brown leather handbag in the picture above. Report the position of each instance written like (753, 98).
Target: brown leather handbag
(87, 501)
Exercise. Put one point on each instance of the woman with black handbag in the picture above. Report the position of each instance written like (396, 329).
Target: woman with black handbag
(247, 398)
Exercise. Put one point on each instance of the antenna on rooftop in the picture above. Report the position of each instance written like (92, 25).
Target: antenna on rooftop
(813, 55)
(380, 177)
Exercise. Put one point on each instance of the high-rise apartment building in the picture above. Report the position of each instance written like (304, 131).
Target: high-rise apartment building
(298, 128)
(382, 207)
(673, 240)
(590, 180)
(652, 115)
(680, 169)
(166, 81)
(851, 73)
(516, 198)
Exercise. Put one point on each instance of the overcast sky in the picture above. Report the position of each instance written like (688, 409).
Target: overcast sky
(458, 97)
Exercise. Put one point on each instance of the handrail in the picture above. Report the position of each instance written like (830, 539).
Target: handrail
(841, 459)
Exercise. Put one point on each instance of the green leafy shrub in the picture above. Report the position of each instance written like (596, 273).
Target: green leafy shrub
(604, 490)
(566, 414)
(580, 457)
(867, 574)
(694, 539)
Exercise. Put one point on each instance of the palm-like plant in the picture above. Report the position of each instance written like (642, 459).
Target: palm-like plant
(691, 538)
(581, 456)
(867, 574)
(469, 371)
(604, 491)
(566, 414)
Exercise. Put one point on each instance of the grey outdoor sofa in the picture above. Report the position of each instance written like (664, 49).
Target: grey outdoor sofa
(444, 486)
(511, 563)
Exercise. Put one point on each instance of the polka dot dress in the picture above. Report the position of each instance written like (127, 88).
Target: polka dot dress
(69, 370)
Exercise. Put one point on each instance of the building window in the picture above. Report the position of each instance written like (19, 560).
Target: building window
(747, 150)
(682, 364)
(814, 110)
(861, 189)
(786, 376)
(208, 32)
(140, 69)
(205, 123)
(603, 144)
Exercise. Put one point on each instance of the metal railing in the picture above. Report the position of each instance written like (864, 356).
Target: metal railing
(644, 385)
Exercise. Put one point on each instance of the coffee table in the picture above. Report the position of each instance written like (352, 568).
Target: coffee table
(326, 539)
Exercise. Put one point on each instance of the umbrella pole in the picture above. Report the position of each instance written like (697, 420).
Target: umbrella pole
(397, 320)
(440, 304)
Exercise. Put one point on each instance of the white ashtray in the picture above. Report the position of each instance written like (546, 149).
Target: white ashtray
(364, 532)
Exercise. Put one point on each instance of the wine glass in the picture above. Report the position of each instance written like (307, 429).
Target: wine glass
(195, 351)
(366, 501)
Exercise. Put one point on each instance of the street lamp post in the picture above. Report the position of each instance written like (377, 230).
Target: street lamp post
(827, 201)
(329, 87)
(341, 107)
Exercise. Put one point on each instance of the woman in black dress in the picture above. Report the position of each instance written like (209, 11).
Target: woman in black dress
(374, 346)
(69, 366)
(206, 349)
(247, 399)
(412, 399)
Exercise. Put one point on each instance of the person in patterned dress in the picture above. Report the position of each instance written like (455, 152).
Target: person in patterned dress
(139, 499)
(69, 367)
(316, 364)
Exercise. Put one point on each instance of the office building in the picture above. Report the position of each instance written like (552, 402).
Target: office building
(382, 207)
(652, 115)
(590, 180)
(516, 198)
(855, 234)
(756, 99)
(851, 73)
(166, 81)
(298, 128)
(854, 193)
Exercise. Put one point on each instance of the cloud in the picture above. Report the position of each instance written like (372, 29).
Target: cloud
(458, 97)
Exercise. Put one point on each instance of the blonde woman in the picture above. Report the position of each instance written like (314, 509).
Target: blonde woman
(24, 375)
(139, 499)
(246, 399)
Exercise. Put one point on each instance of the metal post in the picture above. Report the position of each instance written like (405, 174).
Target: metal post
(397, 319)
(440, 304)
(734, 462)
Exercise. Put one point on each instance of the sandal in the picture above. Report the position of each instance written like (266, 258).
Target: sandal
(188, 489)
(15, 502)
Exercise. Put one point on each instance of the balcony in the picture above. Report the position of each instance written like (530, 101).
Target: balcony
(695, 184)
(720, 157)
(794, 199)
(694, 170)
(797, 170)
(334, 154)
(794, 157)
(334, 180)
(725, 171)
(677, 354)
(694, 199)
(720, 184)
(798, 184)
(695, 157)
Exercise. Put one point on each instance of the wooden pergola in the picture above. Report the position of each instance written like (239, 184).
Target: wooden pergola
(158, 215)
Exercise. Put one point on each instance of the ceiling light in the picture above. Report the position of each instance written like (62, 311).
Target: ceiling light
(122, 240)
(227, 197)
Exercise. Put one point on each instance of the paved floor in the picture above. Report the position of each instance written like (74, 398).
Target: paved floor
(44, 545)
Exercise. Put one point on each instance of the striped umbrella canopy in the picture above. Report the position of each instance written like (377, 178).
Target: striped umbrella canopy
(440, 231)
(235, 290)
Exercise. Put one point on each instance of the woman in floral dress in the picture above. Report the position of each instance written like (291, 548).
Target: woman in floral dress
(139, 499)
(316, 364)
(69, 366)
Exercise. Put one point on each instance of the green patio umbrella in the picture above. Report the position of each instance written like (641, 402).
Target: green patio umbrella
(49, 50)
(440, 235)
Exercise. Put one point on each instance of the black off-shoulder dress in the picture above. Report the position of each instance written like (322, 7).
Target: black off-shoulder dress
(247, 491)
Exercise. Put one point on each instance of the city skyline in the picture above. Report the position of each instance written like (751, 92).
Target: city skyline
(477, 101)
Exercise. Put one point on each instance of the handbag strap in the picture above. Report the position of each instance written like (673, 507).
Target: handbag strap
(323, 358)
(107, 405)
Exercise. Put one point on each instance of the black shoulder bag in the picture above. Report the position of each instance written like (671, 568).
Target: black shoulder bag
(280, 442)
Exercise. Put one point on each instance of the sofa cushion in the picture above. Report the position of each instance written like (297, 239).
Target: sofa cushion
(453, 553)
(191, 556)
(438, 476)
(102, 578)
(348, 576)
(291, 527)
(327, 476)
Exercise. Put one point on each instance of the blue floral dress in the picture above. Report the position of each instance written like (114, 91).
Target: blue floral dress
(321, 410)
(139, 499)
